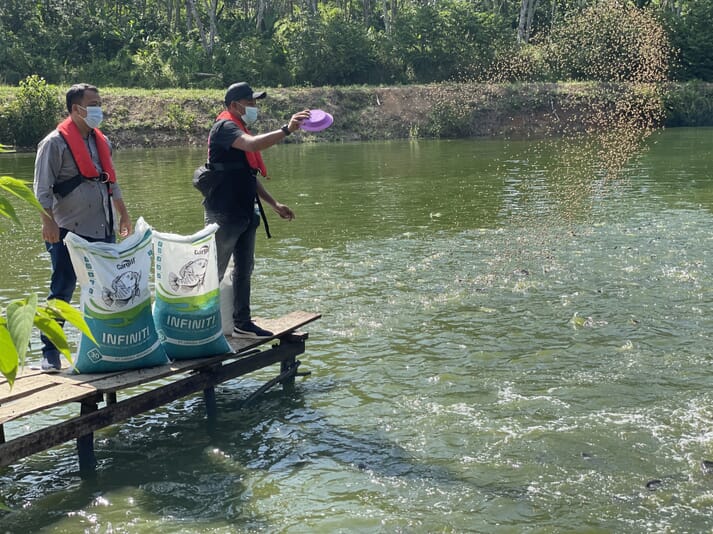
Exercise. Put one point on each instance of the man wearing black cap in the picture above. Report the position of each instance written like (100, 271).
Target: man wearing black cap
(234, 203)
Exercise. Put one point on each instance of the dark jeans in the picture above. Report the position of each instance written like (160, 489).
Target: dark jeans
(236, 238)
(63, 281)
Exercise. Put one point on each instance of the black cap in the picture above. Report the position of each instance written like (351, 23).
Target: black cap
(241, 90)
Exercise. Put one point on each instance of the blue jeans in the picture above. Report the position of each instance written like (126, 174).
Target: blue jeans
(64, 280)
(236, 238)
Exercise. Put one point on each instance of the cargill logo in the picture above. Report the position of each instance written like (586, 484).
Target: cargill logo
(126, 263)
(203, 250)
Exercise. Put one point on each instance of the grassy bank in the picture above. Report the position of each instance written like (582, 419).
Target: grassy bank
(150, 118)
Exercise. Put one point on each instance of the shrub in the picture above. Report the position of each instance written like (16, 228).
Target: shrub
(326, 49)
(150, 69)
(32, 114)
(689, 104)
(252, 58)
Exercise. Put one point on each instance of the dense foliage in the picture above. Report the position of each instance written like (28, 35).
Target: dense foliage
(210, 43)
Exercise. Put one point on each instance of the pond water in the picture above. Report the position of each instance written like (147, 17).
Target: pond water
(494, 355)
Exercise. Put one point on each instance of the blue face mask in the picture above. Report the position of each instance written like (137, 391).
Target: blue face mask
(250, 115)
(94, 116)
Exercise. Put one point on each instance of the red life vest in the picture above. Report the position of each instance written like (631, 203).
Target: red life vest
(254, 158)
(78, 147)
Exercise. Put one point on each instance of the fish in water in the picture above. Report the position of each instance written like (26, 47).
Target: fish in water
(653, 485)
(190, 276)
(123, 289)
(707, 466)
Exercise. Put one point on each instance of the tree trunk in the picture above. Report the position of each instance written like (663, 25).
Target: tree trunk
(260, 14)
(524, 27)
(530, 16)
(189, 18)
(191, 6)
(213, 21)
(169, 14)
(367, 12)
(386, 15)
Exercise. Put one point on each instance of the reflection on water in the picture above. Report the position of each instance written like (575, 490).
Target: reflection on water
(486, 362)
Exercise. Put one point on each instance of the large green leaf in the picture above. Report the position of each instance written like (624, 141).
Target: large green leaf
(8, 356)
(21, 190)
(72, 315)
(20, 318)
(7, 211)
(46, 322)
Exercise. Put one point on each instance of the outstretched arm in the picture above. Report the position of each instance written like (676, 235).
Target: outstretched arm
(255, 143)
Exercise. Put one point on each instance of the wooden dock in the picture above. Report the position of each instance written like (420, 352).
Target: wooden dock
(35, 391)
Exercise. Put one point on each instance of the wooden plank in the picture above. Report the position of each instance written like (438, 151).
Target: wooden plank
(26, 386)
(32, 383)
(24, 372)
(67, 374)
(137, 377)
(59, 389)
(46, 438)
(288, 323)
(281, 327)
(35, 391)
(42, 400)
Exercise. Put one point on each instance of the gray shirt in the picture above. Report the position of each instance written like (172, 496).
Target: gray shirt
(84, 211)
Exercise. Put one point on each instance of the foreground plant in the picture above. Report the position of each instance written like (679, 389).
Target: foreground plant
(18, 318)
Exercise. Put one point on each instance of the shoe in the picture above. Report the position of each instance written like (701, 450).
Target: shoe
(249, 330)
(51, 363)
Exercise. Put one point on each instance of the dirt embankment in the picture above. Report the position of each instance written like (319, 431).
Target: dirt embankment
(360, 113)
(143, 118)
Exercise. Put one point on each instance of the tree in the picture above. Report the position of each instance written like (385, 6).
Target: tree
(691, 30)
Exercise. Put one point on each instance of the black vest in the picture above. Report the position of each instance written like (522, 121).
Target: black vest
(234, 197)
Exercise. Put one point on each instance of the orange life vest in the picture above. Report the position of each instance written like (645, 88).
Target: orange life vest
(254, 158)
(78, 147)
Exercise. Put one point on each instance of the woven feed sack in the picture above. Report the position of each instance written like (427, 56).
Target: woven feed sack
(116, 303)
(187, 307)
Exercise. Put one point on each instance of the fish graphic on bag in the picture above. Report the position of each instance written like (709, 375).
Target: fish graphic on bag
(190, 276)
(123, 289)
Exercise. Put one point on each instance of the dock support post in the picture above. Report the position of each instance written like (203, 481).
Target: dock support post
(286, 370)
(2, 433)
(85, 443)
(211, 408)
(289, 367)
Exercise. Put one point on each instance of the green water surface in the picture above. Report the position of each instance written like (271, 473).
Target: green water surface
(494, 355)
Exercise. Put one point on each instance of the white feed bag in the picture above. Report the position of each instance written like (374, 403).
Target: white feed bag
(226, 299)
(116, 303)
(187, 307)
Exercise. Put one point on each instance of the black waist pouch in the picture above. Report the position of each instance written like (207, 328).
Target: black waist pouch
(206, 180)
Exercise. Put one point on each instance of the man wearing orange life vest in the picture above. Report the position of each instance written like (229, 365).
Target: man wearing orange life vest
(75, 182)
(235, 152)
